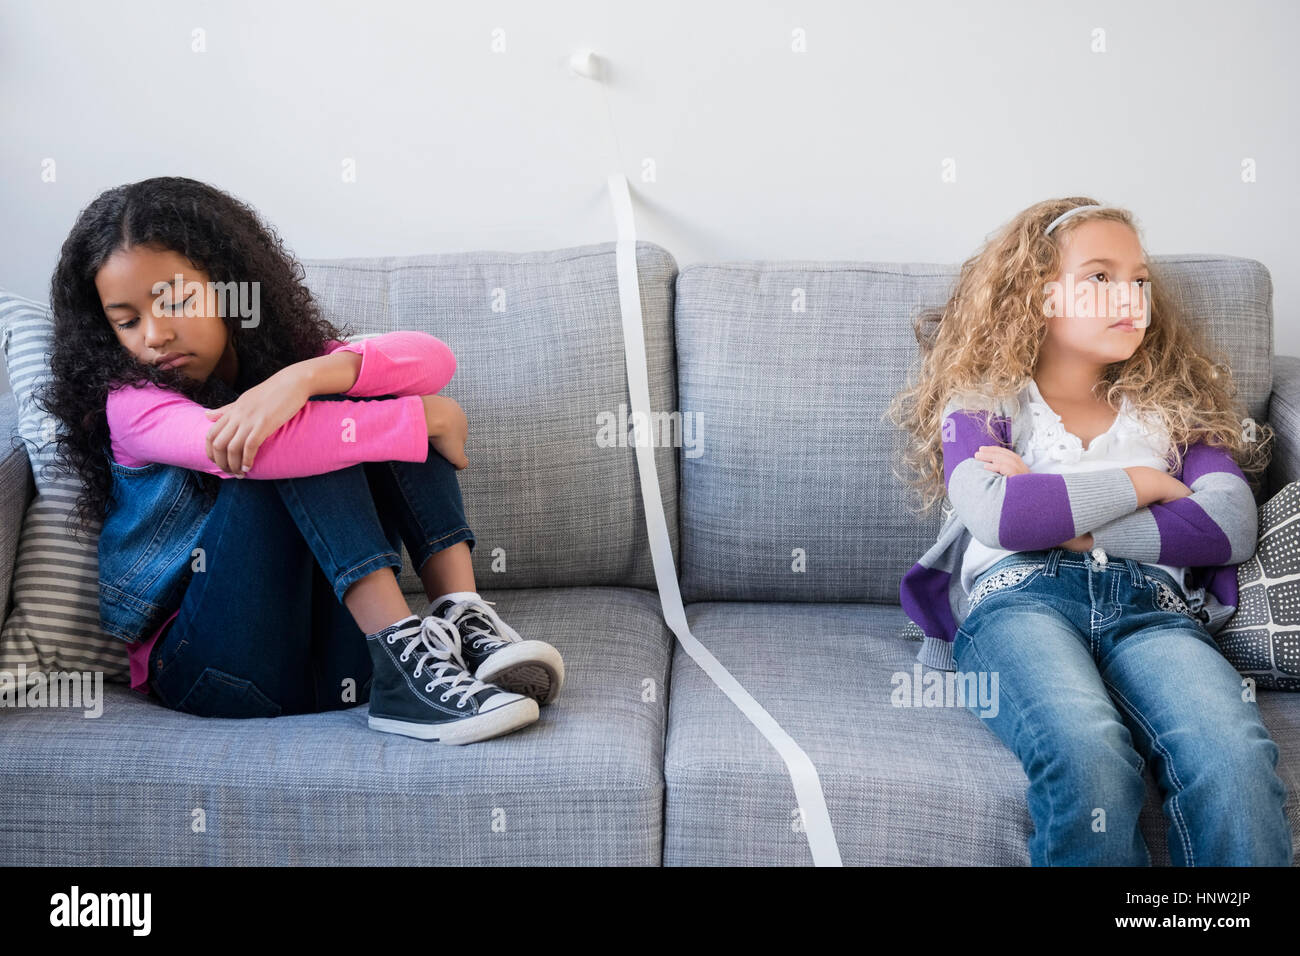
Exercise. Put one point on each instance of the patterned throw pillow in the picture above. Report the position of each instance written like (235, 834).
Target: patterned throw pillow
(1262, 638)
(54, 624)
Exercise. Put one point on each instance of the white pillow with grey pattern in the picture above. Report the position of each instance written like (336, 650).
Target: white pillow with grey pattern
(1262, 638)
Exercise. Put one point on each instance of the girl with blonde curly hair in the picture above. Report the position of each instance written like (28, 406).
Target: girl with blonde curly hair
(1101, 488)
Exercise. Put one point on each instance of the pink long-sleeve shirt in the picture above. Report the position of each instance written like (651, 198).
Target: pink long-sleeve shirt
(150, 424)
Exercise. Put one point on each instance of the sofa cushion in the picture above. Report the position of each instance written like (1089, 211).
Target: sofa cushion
(903, 785)
(541, 375)
(1284, 415)
(795, 469)
(583, 785)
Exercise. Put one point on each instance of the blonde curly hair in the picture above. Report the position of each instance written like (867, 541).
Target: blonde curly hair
(985, 342)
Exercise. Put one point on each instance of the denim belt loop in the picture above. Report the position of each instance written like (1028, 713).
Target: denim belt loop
(1135, 573)
(1053, 559)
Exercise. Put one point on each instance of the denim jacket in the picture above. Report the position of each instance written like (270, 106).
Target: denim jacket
(146, 545)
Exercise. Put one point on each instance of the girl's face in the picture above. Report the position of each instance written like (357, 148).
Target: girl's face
(156, 302)
(1096, 309)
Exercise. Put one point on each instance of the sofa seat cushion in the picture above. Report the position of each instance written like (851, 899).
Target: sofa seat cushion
(903, 785)
(583, 785)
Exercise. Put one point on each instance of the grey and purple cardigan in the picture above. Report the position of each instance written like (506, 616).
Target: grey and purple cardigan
(1211, 531)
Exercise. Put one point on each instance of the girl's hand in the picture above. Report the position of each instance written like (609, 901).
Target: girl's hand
(1172, 490)
(1002, 460)
(448, 428)
(244, 424)
(1081, 542)
(1154, 486)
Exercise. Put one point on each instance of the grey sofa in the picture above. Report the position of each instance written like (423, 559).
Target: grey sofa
(643, 760)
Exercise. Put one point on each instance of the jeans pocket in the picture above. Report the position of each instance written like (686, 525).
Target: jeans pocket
(163, 655)
(218, 694)
(1165, 598)
(1013, 578)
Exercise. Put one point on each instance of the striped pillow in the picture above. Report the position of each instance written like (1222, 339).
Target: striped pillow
(54, 625)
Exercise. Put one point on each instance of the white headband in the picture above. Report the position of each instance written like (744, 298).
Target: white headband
(1068, 213)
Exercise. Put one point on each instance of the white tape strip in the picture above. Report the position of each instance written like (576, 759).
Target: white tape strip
(807, 785)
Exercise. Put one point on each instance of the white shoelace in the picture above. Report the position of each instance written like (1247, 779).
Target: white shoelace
(465, 611)
(441, 642)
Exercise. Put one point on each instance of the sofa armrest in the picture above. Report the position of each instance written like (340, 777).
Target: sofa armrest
(1284, 416)
(16, 489)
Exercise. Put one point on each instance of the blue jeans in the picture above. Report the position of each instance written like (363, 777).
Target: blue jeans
(262, 630)
(1095, 680)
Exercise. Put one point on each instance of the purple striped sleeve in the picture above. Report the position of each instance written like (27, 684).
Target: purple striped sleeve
(1217, 524)
(1029, 511)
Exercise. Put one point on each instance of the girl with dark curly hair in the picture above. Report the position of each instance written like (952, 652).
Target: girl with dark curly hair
(189, 352)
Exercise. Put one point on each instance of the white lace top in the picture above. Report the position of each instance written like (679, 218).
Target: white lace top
(1050, 449)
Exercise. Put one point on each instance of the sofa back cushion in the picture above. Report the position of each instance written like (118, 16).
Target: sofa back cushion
(551, 494)
(786, 370)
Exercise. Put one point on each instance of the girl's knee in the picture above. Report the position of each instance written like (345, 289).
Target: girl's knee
(248, 488)
(1249, 767)
(257, 504)
(1102, 768)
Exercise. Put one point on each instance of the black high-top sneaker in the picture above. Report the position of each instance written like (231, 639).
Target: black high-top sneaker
(494, 651)
(422, 689)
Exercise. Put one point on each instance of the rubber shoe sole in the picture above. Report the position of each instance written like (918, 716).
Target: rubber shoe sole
(486, 724)
(532, 668)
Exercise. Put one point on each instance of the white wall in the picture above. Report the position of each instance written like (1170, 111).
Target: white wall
(761, 152)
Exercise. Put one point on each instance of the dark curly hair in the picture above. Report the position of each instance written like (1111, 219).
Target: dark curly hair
(220, 235)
